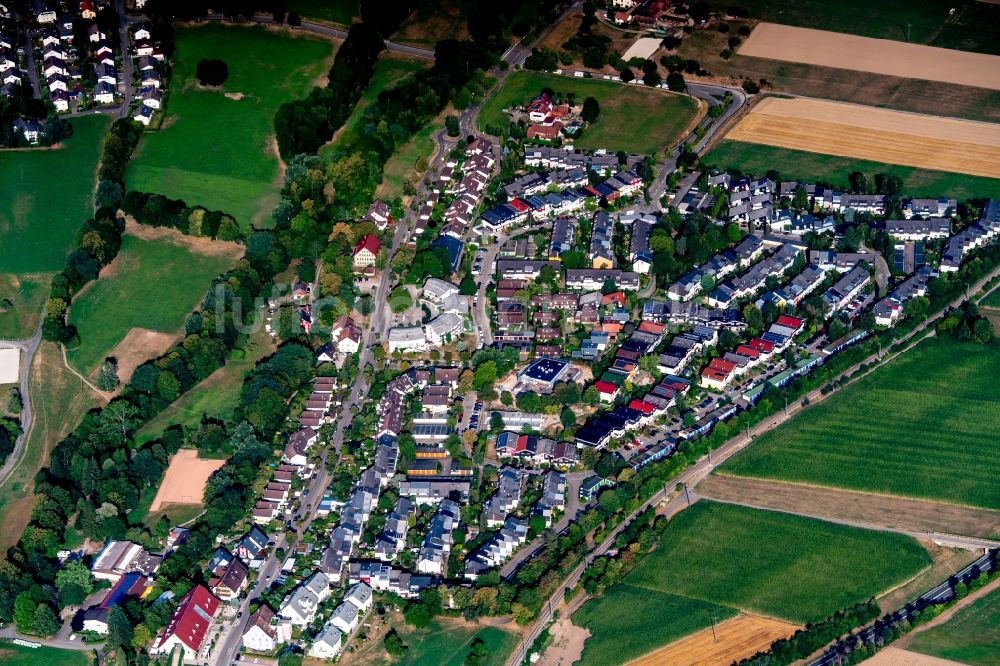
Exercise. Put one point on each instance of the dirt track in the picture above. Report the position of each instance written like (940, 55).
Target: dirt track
(733, 640)
(865, 54)
(880, 135)
(891, 512)
(184, 482)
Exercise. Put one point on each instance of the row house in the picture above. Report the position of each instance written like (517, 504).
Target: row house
(887, 310)
(718, 267)
(538, 450)
(942, 207)
(974, 236)
(846, 289)
(594, 279)
(567, 158)
(382, 577)
(601, 252)
(498, 548)
(754, 279)
(919, 228)
(506, 497)
(437, 543)
(553, 498)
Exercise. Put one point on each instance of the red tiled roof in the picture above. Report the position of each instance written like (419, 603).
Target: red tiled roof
(606, 387)
(761, 345)
(789, 321)
(749, 352)
(721, 365)
(193, 616)
(519, 205)
(642, 406)
(369, 242)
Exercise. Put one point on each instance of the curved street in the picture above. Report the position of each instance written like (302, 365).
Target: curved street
(28, 348)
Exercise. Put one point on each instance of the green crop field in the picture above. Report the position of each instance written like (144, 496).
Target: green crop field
(151, 284)
(12, 654)
(650, 619)
(811, 167)
(926, 425)
(45, 196)
(971, 636)
(389, 70)
(633, 118)
(775, 564)
(974, 26)
(216, 147)
(341, 12)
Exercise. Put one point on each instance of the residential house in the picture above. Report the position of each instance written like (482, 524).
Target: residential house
(366, 251)
(188, 625)
(265, 631)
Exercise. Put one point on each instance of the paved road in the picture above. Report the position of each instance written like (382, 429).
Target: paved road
(127, 65)
(573, 481)
(28, 348)
(11, 632)
(694, 474)
(29, 54)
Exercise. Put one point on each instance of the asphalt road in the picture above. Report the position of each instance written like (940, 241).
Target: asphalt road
(28, 348)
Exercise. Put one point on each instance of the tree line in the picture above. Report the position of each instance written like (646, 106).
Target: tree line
(157, 210)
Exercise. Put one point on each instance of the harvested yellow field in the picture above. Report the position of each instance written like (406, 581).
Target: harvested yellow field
(735, 639)
(879, 135)
(866, 54)
(894, 656)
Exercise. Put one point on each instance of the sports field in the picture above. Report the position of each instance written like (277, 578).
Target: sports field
(151, 284)
(633, 118)
(775, 564)
(971, 636)
(972, 26)
(185, 479)
(390, 69)
(12, 654)
(864, 132)
(926, 425)
(216, 148)
(865, 54)
(811, 167)
(649, 618)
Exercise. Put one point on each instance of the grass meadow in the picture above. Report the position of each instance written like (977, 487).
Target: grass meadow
(926, 425)
(992, 299)
(775, 564)
(971, 636)
(402, 165)
(650, 619)
(974, 26)
(27, 292)
(45, 196)
(448, 644)
(633, 118)
(812, 167)
(389, 70)
(12, 654)
(216, 147)
(151, 285)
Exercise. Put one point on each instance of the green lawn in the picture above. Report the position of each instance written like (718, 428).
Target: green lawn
(775, 564)
(389, 70)
(975, 26)
(340, 12)
(650, 619)
(633, 118)
(971, 636)
(12, 654)
(217, 151)
(401, 166)
(926, 425)
(45, 196)
(27, 293)
(448, 645)
(992, 299)
(812, 167)
(152, 284)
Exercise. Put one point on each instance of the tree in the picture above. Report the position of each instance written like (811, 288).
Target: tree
(419, 615)
(294, 19)
(74, 583)
(109, 193)
(753, 317)
(394, 644)
(478, 652)
(485, 375)
(400, 299)
(451, 124)
(24, 612)
(801, 198)
(45, 621)
(118, 419)
(567, 417)
(107, 380)
(212, 72)
(467, 287)
(627, 75)
(675, 82)
(652, 78)
(141, 637)
(120, 632)
(591, 110)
